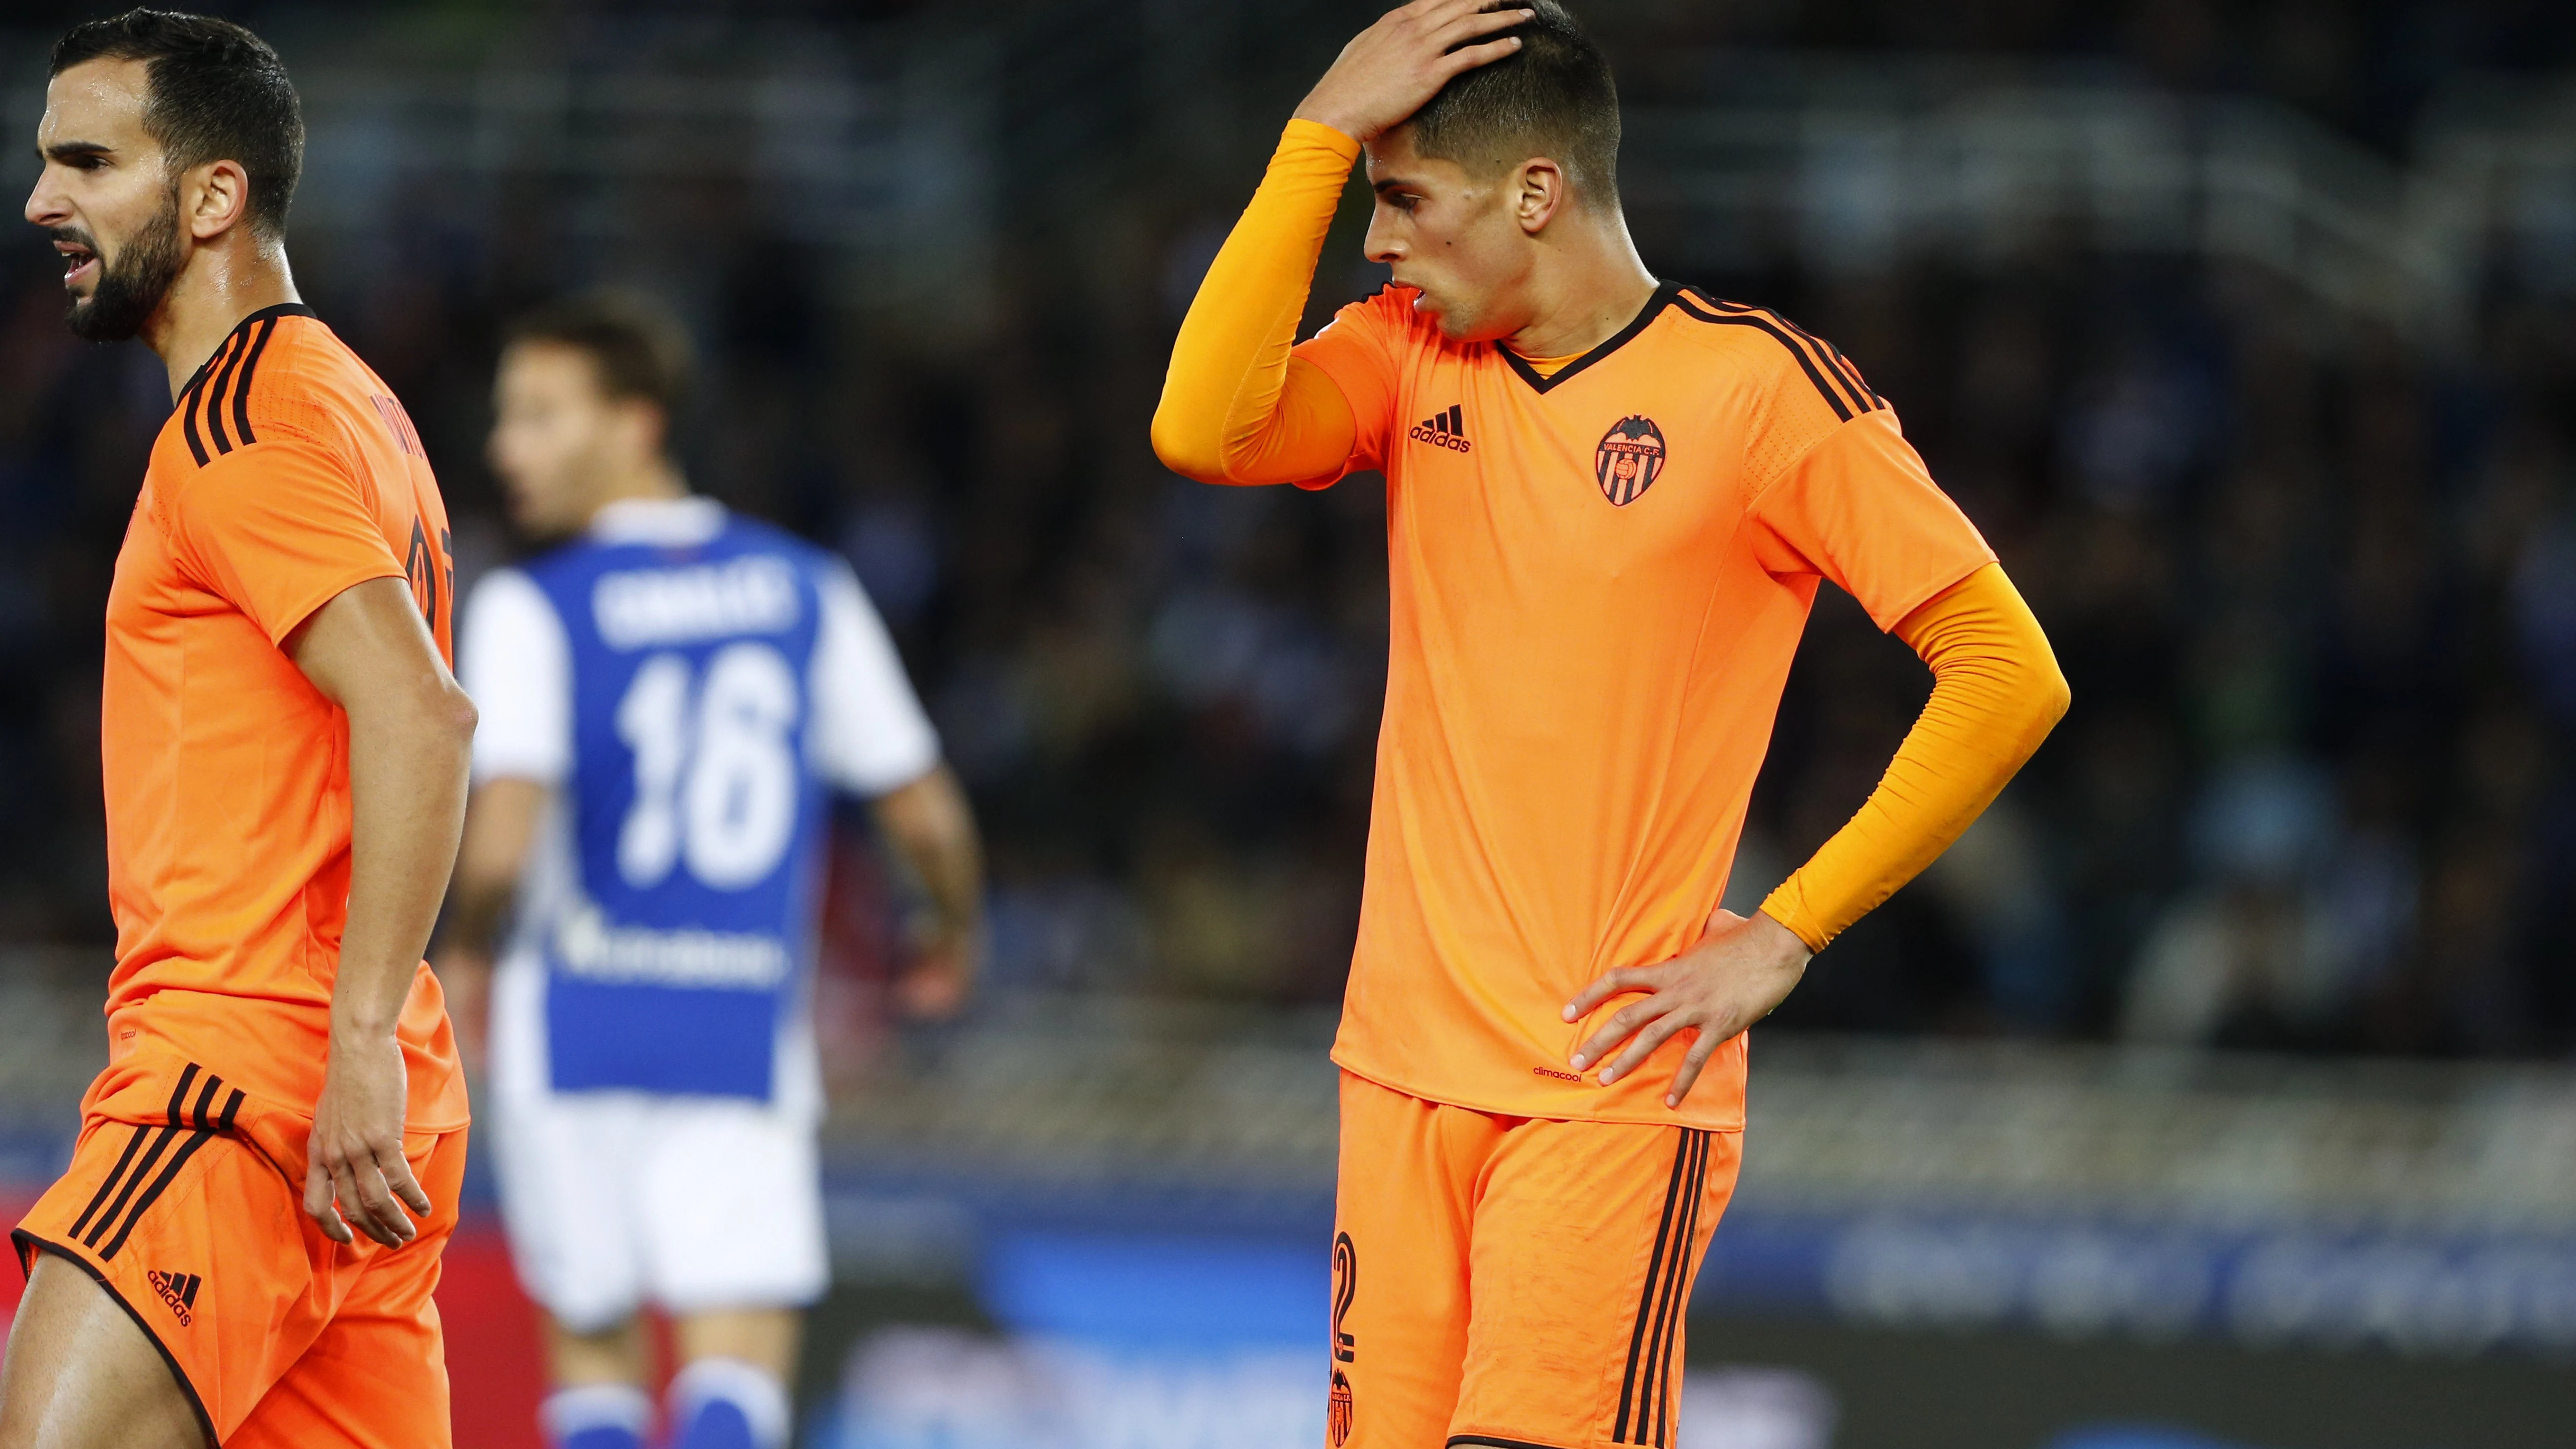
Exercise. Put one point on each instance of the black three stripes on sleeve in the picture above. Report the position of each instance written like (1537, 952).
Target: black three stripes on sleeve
(1835, 379)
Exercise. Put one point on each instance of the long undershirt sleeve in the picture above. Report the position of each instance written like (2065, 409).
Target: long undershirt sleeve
(1996, 693)
(1236, 408)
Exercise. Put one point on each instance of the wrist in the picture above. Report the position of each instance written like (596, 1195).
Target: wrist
(1785, 941)
(358, 1024)
(1344, 134)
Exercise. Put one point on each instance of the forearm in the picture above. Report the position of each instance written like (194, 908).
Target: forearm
(1229, 411)
(1997, 691)
(475, 911)
(407, 786)
(933, 828)
(500, 822)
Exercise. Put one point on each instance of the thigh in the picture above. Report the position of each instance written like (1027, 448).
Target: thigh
(80, 1373)
(732, 1208)
(1586, 1240)
(201, 1241)
(569, 1172)
(1402, 1206)
(375, 1377)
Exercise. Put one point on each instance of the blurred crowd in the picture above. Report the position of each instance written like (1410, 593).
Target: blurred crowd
(2315, 589)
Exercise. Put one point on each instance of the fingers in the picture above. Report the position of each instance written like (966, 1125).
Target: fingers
(1608, 984)
(1468, 57)
(317, 1200)
(354, 1201)
(1459, 32)
(406, 1188)
(1692, 1060)
(1469, 20)
(1457, 55)
(1617, 1029)
(346, 1190)
(1655, 1034)
(380, 1217)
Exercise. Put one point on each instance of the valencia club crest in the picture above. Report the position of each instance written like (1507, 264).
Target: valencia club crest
(1630, 456)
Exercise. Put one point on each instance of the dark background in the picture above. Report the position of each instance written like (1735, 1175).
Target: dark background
(2310, 567)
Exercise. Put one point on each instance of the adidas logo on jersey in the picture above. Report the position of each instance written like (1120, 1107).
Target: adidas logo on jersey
(1444, 430)
(179, 1290)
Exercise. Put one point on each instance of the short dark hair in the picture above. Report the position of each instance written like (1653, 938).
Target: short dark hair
(1553, 97)
(218, 93)
(637, 347)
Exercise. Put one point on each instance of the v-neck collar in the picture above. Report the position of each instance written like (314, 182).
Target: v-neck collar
(1665, 292)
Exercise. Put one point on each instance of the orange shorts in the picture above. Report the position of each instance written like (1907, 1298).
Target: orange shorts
(185, 1200)
(1513, 1281)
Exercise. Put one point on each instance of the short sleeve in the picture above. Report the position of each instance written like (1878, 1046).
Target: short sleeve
(279, 529)
(516, 665)
(868, 734)
(1361, 350)
(1859, 508)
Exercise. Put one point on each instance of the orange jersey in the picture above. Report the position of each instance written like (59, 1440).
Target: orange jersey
(286, 474)
(1597, 581)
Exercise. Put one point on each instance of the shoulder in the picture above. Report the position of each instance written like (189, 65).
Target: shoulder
(818, 564)
(1801, 372)
(294, 380)
(1386, 313)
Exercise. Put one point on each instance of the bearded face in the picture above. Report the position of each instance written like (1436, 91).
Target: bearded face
(130, 281)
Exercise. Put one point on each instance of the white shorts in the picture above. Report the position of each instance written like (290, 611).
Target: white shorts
(616, 1200)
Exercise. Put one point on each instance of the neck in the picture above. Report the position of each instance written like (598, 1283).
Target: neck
(657, 478)
(218, 287)
(1589, 284)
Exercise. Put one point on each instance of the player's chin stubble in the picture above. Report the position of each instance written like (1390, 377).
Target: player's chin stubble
(132, 286)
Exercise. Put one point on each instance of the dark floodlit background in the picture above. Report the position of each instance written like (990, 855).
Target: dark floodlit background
(2212, 1084)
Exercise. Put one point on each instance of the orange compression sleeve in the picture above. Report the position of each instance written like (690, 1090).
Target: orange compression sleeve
(1236, 407)
(1996, 692)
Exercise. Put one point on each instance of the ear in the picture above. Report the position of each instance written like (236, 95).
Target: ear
(214, 198)
(1540, 191)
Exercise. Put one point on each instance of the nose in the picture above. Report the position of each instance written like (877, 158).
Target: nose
(1382, 244)
(46, 205)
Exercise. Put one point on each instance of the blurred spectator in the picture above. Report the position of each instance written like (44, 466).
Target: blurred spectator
(2315, 588)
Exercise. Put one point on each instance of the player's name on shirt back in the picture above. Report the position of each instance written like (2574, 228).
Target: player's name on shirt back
(637, 608)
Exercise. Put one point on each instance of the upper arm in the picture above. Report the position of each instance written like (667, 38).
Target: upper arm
(279, 528)
(369, 651)
(1859, 508)
(1981, 625)
(1361, 352)
(515, 662)
(1310, 439)
(867, 734)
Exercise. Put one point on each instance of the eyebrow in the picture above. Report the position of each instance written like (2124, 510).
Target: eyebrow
(73, 150)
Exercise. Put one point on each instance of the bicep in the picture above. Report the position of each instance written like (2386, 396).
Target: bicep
(1860, 509)
(368, 649)
(1309, 440)
(277, 530)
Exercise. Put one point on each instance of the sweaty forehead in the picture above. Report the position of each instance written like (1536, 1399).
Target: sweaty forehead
(97, 101)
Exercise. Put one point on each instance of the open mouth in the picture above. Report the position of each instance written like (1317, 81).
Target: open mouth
(80, 264)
